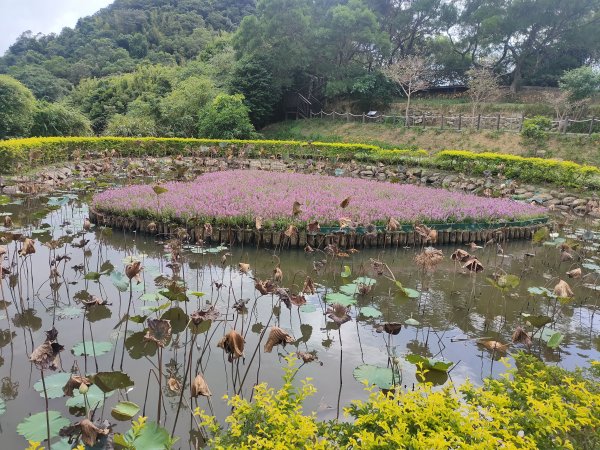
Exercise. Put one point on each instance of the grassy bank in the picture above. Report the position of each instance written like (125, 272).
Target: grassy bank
(582, 149)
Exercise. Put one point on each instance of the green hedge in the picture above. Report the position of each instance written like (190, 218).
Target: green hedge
(29, 153)
(531, 170)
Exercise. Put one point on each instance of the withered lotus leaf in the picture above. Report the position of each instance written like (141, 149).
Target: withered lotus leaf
(338, 313)
(313, 227)
(309, 286)
(74, 383)
(3, 250)
(90, 432)
(460, 255)
(566, 256)
(364, 289)
(233, 343)
(277, 274)
(494, 345)
(173, 385)
(575, 273)
(133, 270)
(308, 249)
(563, 290)
(44, 356)
(345, 222)
(277, 336)
(208, 229)
(244, 267)
(298, 300)
(392, 328)
(306, 357)
(159, 331)
(264, 287)
(520, 336)
(28, 247)
(200, 387)
(7, 221)
(258, 223)
(392, 224)
(296, 211)
(473, 265)
(292, 230)
(201, 315)
(429, 258)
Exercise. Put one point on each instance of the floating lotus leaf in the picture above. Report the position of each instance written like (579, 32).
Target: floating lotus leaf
(125, 410)
(54, 385)
(349, 289)
(540, 291)
(369, 311)
(120, 281)
(340, 299)
(69, 312)
(308, 308)
(138, 347)
(536, 321)
(91, 348)
(382, 377)
(110, 381)
(552, 338)
(33, 428)
(365, 280)
(2, 406)
(151, 437)
(178, 318)
(412, 322)
(430, 363)
(94, 276)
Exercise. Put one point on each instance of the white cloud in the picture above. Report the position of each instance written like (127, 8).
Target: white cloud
(41, 16)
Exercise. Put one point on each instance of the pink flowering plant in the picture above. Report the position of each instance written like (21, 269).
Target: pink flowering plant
(239, 197)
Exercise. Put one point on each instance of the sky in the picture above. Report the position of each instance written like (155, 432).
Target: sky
(45, 16)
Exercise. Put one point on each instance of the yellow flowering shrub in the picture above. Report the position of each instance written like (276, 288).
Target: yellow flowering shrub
(532, 406)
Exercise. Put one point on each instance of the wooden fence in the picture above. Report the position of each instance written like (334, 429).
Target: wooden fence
(460, 121)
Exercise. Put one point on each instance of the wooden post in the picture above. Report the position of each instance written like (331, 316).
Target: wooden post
(478, 122)
(363, 117)
(321, 114)
(459, 121)
(591, 125)
(522, 120)
(498, 123)
(347, 116)
(442, 121)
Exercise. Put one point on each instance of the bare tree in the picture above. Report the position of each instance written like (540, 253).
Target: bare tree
(564, 107)
(483, 87)
(412, 74)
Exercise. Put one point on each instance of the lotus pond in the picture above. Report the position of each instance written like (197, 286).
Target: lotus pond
(368, 316)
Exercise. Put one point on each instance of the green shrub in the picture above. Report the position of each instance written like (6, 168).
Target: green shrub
(227, 117)
(530, 407)
(535, 130)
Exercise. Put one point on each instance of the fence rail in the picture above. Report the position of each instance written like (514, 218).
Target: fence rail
(460, 121)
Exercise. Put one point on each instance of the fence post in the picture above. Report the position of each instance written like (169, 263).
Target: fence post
(363, 117)
(459, 121)
(522, 120)
(321, 114)
(498, 123)
(442, 121)
(478, 122)
(591, 126)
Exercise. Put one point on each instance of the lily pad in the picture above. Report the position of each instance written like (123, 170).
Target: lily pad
(540, 291)
(110, 381)
(382, 377)
(33, 428)
(95, 396)
(92, 348)
(69, 312)
(430, 363)
(94, 276)
(413, 322)
(536, 321)
(342, 299)
(365, 280)
(349, 289)
(54, 385)
(551, 337)
(2, 406)
(151, 437)
(308, 308)
(120, 281)
(369, 311)
(125, 410)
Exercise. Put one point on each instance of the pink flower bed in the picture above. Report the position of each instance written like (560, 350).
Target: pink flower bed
(237, 197)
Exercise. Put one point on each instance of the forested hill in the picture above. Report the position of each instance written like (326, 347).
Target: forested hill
(117, 38)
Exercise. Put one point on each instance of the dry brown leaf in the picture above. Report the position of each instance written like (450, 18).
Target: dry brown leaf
(338, 313)
(174, 385)
(233, 343)
(277, 336)
(133, 270)
(345, 202)
(563, 290)
(90, 432)
(200, 387)
(392, 328)
(159, 331)
(575, 273)
(473, 265)
(565, 256)
(309, 286)
(474, 246)
(296, 211)
(152, 227)
(244, 267)
(277, 274)
(208, 229)
(306, 357)
(298, 300)
(28, 247)
(8, 221)
(345, 222)
(494, 345)
(364, 289)
(429, 259)
(313, 227)
(210, 313)
(291, 231)
(74, 383)
(342, 255)
(308, 249)
(520, 336)
(392, 224)
(460, 255)
(258, 223)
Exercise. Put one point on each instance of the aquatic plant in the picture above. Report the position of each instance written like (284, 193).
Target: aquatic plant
(239, 197)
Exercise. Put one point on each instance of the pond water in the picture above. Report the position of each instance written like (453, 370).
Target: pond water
(451, 312)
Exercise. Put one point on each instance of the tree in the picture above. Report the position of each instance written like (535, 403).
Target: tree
(412, 74)
(226, 118)
(483, 87)
(17, 107)
(56, 119)
(580, 83)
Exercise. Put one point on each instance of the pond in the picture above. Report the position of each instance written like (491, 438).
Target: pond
(441, 315)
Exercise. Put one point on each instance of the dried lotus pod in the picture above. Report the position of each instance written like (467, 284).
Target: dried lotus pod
(277, 336)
